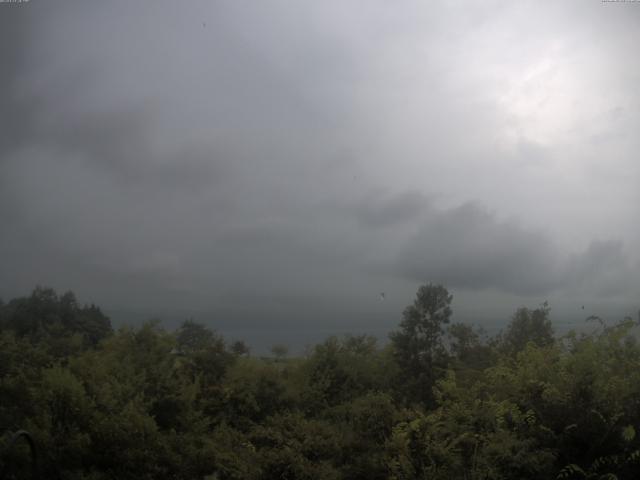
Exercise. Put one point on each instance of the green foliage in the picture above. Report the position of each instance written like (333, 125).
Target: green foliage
(147, 403)
(418, 344)
(293, 447)
(280, 351)
(253, 391)
(528, 326)
(366, 423)
(340, 369)
(58, 321)
(240, 348)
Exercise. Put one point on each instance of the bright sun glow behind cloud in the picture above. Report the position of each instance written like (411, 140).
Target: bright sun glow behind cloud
(540, 103)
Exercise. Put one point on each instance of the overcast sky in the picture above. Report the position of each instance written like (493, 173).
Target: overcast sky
(278, 164)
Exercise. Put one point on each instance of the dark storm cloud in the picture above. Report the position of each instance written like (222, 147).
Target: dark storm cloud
(17, 107)
(119, 143)
(376, 210)
(604, 270)
(468, 247)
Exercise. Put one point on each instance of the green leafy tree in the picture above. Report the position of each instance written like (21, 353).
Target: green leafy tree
(342, 369)
(528, 326)
(205, 352)
(418, 344)
(367, 424)
(58, 321)
(293, 447)
(240, 348)
(252, 391)
(470, 354)
(280, 351)
(193, 336)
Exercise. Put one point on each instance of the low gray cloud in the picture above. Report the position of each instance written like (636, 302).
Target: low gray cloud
(604, 269)
(377, 210)
(470, 248)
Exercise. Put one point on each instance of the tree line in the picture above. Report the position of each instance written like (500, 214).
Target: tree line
(439, 401)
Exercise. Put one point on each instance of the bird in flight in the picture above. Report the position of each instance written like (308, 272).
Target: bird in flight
(381, 295)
